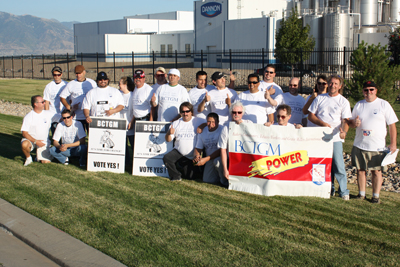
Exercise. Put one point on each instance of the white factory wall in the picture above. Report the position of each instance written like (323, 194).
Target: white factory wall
(101, 27)
(245, 9)
(89, 44)
(372, 38)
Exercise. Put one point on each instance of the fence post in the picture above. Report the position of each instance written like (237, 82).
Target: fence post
(301, 70)
(344, 62)
(67, 68)
(43, 64)
(12, 66)
(81, 58)
(32, 64)
(133, 64)
(22, 66)
(201, 59)
(176, 59)
(230, 59)
(114, 65)
(97, 62)
(55, 61)
(4, 67)
(153, 66)
(263, 60)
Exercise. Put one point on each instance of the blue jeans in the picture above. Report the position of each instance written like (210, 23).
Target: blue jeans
(79, 151)
(338, 169)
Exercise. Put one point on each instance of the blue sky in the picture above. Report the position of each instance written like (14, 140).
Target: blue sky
(86, 11)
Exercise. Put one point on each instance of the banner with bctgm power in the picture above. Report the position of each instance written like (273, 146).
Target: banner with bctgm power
(106, 149)
(280, 160)
(150, 148)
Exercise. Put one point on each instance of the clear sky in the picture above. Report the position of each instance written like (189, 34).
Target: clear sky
(87, 11)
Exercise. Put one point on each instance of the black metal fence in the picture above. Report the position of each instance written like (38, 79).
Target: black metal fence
(241, 62)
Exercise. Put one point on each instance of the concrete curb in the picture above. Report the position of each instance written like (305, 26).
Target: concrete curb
(58, 246)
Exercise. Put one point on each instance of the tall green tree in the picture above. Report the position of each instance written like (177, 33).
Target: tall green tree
(394, 44)
(371, 63)
(292, 38)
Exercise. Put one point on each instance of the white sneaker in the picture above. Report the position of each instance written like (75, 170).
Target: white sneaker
(66, 161)
(28, 161)
(346, 197)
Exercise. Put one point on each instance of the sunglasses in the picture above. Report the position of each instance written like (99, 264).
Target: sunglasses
(64, 118)
(42, 102)
(270, 72)
(370, 89)
(319, 83)
(56, 75)
(253, 82)
(293, 85)
(281, 116)
(185, 111)
(160, 75)
(237, 112)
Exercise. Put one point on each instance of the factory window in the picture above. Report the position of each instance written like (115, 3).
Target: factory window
(162, 49)
(170, 50)
(187, 50)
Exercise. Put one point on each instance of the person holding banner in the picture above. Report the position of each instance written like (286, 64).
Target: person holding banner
(259, 105)
(333, 110)
(283, 114)
(184, 132)
(370, 117)
(207, 142)
(169, 96)
(237, 111)
(69, 140)
(103, 100)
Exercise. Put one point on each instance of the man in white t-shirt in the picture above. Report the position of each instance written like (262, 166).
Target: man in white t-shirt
(268, 84)
(207, 144)
(35, 131)
(161, 78)
(370, 117)
(259, 105)
(77, 90)
(69, 140)
(296, 102)
(219, 100)
(333, 110)
(184, 131)
(283, 114)
(102, 101)
(198, 93)
(169, 97)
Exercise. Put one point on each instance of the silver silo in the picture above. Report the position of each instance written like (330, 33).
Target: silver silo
(369, 12)
(395, 10)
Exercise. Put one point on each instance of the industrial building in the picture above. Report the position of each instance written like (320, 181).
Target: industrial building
(220, 25)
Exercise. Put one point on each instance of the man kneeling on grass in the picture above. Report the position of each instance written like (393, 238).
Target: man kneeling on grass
(69, 140)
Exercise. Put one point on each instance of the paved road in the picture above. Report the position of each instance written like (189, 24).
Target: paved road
(15, 253)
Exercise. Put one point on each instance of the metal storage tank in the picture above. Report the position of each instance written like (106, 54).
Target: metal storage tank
(386, 12)
(395, 11)
(369, 12)
(316, 27)
(355, 6)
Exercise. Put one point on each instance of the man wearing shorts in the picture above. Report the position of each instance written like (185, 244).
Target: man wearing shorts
(370, 118)
(35, 131)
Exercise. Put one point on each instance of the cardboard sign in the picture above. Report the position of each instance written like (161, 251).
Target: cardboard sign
(106, 149)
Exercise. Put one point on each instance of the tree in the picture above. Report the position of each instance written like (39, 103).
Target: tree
(293, 41)
(371, 63)
(394, 45)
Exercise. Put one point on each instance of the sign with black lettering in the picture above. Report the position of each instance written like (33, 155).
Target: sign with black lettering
(150, 148)
(106, 149)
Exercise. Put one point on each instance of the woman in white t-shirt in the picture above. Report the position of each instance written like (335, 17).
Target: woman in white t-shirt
(321, 87)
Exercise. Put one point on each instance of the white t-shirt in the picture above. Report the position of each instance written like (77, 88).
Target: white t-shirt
(70, 134)
(331, 110)
(38, 124)
(140, 101)
(98, 100)
(296, 103)
(264, 86)
(374, 116)
(52, 93)
(309, 123)
(208, 140)
(186, 135)
(197, 95)
(77, 91)
(224, 137)
(126, 112)
(155, 86)
(257, 107)
(169, 98)
(218, 105)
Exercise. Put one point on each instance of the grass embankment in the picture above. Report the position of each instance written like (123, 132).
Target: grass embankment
(151, 221)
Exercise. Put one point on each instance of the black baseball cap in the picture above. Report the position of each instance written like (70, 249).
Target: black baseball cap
(102, 76)
(369, 84)
(139, 74)
(217, 75)
(56, 68)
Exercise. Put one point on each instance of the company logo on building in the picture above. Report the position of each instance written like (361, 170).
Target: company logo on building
(211, 9)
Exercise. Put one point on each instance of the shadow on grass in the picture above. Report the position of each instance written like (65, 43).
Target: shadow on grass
(10, 146)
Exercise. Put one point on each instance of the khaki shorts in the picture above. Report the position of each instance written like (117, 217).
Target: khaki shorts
(367, 160)
(42, 153)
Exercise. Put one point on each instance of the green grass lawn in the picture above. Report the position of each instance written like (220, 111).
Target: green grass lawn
(150, 221)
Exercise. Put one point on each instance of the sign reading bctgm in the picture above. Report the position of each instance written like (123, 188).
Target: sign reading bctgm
(211, 9)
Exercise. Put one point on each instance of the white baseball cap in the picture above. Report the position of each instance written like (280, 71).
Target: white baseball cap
(175, 72)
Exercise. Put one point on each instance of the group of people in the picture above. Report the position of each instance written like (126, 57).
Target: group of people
(200, 119)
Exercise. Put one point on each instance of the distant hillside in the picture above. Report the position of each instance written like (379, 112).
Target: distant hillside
(26, 34)
(70, 24)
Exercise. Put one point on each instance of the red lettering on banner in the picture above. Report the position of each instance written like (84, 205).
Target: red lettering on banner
(277, 163)
(269, 164)
(285, 160)
(292, 159)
